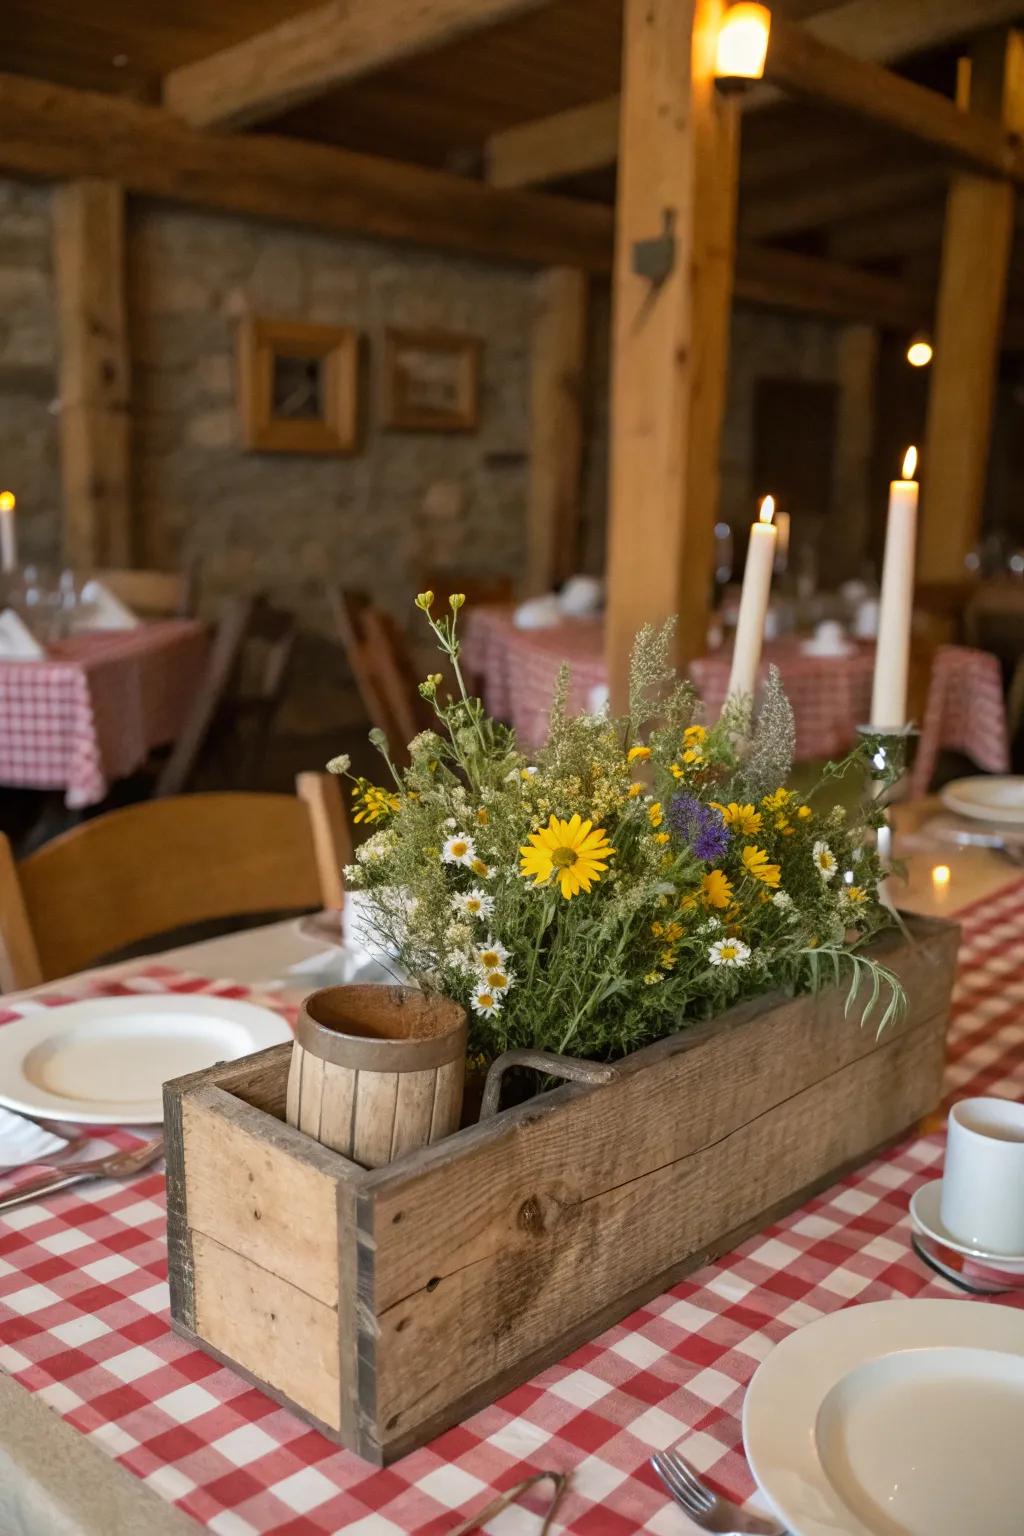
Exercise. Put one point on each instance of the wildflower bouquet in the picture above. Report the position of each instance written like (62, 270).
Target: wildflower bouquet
(632, 876)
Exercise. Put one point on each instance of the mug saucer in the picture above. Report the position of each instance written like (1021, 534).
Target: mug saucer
(926, 1215)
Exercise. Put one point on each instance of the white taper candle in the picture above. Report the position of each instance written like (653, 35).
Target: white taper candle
(757, 586)
(892, 658)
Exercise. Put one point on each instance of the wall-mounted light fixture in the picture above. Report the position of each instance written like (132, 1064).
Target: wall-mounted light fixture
(742, 45)
(919, 352)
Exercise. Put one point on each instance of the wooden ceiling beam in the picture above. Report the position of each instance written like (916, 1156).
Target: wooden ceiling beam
(782, 279)
(57, 133)
(585, 138)
(312, 52)
(801, 63)
(828, 199)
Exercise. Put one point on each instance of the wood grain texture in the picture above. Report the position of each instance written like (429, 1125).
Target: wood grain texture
(95, 373)
(677, 163)
(19, 958)
(317, 49)
(818, 71)
(558, 360)
(274, 1329)
(58, 133)
(976, 251)
(245, 1186)
(147, 869)
(332, 833)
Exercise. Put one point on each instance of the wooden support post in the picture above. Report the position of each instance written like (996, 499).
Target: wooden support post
(857, 365)
(95, 388)
(972, 290)
(677, 167)
(556, 427)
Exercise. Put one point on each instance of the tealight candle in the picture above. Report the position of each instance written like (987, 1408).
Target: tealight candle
(757, 586)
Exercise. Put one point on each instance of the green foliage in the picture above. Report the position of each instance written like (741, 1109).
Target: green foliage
(740, 890)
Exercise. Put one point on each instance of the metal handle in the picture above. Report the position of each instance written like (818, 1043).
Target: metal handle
(570, 1067)
(43, 1183)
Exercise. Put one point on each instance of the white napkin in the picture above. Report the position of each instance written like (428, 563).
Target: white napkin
(16, 640)
(537, 612)
(21, 1140)
(581, 596)
(105, 611)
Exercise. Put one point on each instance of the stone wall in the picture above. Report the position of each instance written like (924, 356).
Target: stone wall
(29, 457)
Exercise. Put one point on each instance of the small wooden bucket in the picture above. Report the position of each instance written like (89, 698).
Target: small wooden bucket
(377, 1071)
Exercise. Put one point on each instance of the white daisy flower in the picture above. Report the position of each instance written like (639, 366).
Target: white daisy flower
(474, 903)
(732, 953)
(458, 849)
(491, 956)
(485, 1003)
(498, 981)
(824, 860)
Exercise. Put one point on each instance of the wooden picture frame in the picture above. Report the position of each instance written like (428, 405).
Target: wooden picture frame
(298, 386)
(431, 381)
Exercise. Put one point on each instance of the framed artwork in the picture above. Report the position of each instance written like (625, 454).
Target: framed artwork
(431, 381)
(298, 386)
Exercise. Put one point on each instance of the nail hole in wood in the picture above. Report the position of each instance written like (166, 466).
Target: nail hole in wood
(433, 1284)
(392, 1421)
(396, 1218)
(403, 1322)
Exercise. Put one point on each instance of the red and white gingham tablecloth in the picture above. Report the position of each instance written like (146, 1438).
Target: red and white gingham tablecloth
(83, 1323)
(830, 695)
(95, 708)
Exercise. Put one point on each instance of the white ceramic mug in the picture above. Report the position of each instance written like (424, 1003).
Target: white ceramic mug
(983, 1180)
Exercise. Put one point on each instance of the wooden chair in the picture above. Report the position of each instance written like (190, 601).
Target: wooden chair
(350, 608)
(261, 681)
(233, 622)
(153, 594)
(148, 869)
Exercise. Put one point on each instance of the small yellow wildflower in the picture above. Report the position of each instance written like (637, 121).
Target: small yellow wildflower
(662, 838)
(676, 772)
(633, 791)
(652, 978)
(756, 862)
(373, 803)
(716, 888)
(655, 814)
(777, 800)
(482, 817)
(425, 600)
(805, 813)
(456, 600)
(743, 817)
(693, 755)
(667, 960)
(638, 754)
(694, 735)
(657, 929)
(480, 867)
(856, 894)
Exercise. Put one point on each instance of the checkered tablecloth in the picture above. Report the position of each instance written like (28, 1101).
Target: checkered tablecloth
(965, 712)
(95, 708)
(83, 1323)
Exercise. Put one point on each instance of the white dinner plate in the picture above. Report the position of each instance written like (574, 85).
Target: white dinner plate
(893, 1418)
(104, 1061)
(986, 798)
(926, 1214)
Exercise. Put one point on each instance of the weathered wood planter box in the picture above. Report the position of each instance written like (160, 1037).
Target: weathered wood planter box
(386, 1305)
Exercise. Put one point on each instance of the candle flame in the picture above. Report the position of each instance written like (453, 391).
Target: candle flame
(941, 874)
(7, 501)
(767, 511)
(909, 463)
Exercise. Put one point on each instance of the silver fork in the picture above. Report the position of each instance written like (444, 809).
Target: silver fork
(705, 1508)
(116, 1165)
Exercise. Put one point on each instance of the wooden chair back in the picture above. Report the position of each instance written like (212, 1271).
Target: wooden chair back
(148, 869)
(261, 682)
(395, 670)
(350, 608)
(153, 594)
(221, 666)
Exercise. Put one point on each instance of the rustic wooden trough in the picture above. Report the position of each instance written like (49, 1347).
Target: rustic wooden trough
(385, 1305)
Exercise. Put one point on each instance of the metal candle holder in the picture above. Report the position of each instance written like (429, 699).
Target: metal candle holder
(891, 764)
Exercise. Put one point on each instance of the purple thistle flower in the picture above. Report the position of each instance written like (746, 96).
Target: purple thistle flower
(698, 825)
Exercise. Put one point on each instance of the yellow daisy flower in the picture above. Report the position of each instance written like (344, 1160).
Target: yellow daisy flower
(693, 755)
(717, 888)
(372, 803)
(694, 735)
(777, 800)
(743, 817)
(756, 863)
(856, 895)
(655, 814)
(633, 791)
(662, 838)
(575, 852)
(805, 813)
(638, 754)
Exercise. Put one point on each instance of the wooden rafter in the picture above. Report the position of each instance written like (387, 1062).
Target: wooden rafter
(310, 53)
(57, 133)
(844, 194)
(800, 62)
(878, 30)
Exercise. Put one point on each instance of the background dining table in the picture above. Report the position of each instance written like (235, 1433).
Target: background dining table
(112, 1426)
(95, 708)
(830, 694)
